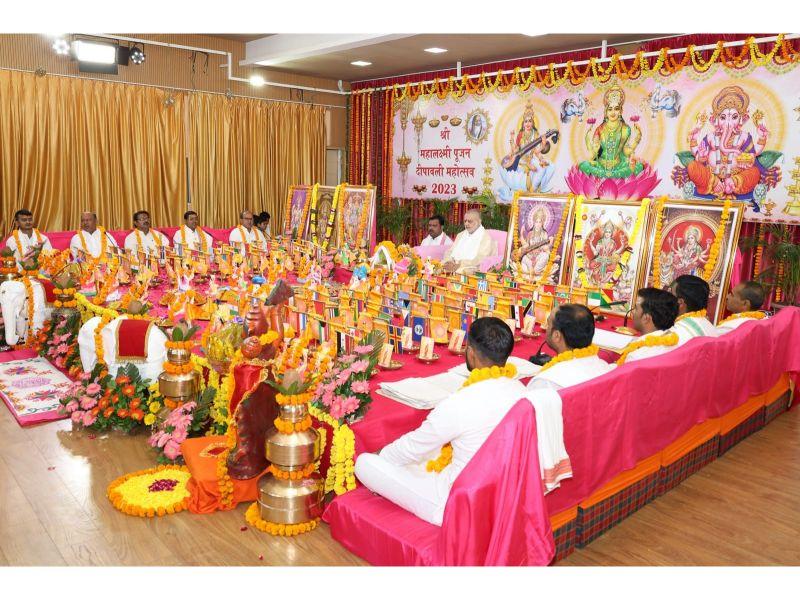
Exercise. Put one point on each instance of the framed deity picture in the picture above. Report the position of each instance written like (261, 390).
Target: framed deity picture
(298, 205)
(682, 239)
(356, 214)
(610, 249)
(322, 219)
(540, 229)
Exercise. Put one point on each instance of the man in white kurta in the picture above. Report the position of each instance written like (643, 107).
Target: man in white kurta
(26, 239)
(143, 238)
(88, 240)
(692, 293)
(245, 234)
(653, 315)
(14, 306)
(436, 235)
(465, 420)
(190, 236)
(470, 247)
(744, 303)
(569, 327)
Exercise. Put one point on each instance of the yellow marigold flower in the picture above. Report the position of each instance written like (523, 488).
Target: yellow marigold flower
(154, 407)
(149, 419)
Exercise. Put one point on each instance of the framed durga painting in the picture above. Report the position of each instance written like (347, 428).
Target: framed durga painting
(298, 206)
(539, 233)
(684, 236)
(610, 248)
(322, 218)
(356, 216)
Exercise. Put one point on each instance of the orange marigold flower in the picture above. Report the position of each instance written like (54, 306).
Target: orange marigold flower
(122, 380)
(103, 404)
(108, 412)
(122, 413)
(135, 403)
(128, 390)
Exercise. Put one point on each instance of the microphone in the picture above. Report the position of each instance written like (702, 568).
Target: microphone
(540, 358)
(625, 329)
(601, 318)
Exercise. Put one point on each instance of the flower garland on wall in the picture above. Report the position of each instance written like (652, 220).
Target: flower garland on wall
(579, 241)
(716, 245)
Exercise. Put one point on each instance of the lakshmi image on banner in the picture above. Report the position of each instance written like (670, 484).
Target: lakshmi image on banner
(539, 221)
(296, 227)
(612, 171)
(728, 162)
(525, 168)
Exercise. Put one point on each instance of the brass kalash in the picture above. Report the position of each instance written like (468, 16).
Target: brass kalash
(8, 265)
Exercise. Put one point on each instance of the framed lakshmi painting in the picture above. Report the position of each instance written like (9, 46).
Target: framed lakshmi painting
(610, 249)
(539, 233)
(356, 214)
(322, 217)
(298, 206)
(682, 239)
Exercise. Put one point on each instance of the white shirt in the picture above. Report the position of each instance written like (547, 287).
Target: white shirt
(733, 324)
(442, 240)
(254, 236)
(94, 243)
(192, 238)
(27, 242)
(150, 369)
(467, 244)
(14, 306)
(692, 327)
(649, 351)
(569, 373)
(148, 241)
(465, 420)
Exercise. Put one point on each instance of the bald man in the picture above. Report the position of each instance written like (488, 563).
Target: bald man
(88, 240)
(245, 233)
(470, 247)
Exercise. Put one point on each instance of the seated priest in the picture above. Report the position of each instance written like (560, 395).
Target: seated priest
(470, 247)
(25, 240)
(692, 293)
(245, 234)
(91, 241)
(191, 236)
(464, 420)
(143, 238)
(570, 329)
(653, 315)
(436, 234)
(744, 301)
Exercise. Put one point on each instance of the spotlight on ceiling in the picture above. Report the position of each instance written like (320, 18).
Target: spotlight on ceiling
(435, 50)
(257, 80)
(61, 46)
(95, 52)
(360, 63)
(137, 55)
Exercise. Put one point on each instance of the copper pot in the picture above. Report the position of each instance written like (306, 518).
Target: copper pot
(293, 451)
(179, 386)
(290, 501)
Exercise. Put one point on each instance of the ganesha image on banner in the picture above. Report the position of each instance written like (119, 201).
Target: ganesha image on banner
(613, 172)
(728, 162)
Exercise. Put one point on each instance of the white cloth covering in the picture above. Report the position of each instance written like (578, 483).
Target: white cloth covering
(14, 306)
(692, 327)
(554, 461)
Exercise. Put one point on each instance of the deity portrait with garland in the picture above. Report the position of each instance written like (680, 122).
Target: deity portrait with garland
(537, 228)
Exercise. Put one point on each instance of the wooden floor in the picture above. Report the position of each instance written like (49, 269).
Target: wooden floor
(743, 509)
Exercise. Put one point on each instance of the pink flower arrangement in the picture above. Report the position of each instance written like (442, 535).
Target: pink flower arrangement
(93, 389)
(172, 428)
(633, 187)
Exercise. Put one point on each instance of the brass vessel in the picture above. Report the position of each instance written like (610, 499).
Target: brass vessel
(179, 387)
(9, 268)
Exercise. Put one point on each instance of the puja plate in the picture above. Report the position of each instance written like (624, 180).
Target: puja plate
(428, 361)
(393, 366)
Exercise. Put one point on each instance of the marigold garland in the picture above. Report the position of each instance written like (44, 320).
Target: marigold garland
(131, 493)
(140, 244)
(669, 339)
(716, 246)
(15, 235)
(102, 294)
(99, 350)
(362, 224)
(253, 518)
(289, 427)
(440, 462)
(748, 314)
(187, 345)
(570, 355)
(200, 234)
(292, 475)
(659, 208)
(91, 260)
(29, 298)
(178, 369)
(341, 472)
(698, 314)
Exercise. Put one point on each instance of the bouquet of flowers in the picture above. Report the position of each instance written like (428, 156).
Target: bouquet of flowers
(344, 391)
(58, 343)
(99, 401)
(172, 427)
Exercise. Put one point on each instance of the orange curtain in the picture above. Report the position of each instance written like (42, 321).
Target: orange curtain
(69, 145)
(245, 153)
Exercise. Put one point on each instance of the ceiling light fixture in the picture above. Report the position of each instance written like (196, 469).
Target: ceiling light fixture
(93, 52)
(61, 46)
(360, 63)
(137, 55)
(435, 50)
(257, 80)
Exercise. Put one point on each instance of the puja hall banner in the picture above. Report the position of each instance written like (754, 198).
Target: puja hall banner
(695, 135)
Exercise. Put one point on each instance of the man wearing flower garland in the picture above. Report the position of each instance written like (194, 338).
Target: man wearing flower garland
(191, 236)
(470, 247)
(744, 301)
(653, 316)
(436, 234)
(26, 239)
(245, 234)
(692, 293)
(570, 329)
(142, 238)
(90, 239)
(464, 420)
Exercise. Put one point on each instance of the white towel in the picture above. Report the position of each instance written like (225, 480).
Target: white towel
(553, 458)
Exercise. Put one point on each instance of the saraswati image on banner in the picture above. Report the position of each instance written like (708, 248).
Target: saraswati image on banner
(713, 135)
